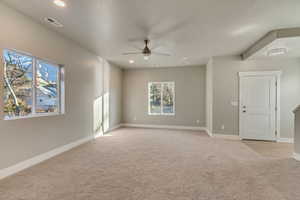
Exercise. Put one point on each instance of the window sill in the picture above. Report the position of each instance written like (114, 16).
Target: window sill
(161, 114)
(32, 116)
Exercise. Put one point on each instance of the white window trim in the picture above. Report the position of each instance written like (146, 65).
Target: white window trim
(32, 116)
(61, 88)
(149, 103)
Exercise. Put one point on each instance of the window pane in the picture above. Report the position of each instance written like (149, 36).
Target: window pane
(18, 81)
(168, 98)
(155, 98)
(47, 88)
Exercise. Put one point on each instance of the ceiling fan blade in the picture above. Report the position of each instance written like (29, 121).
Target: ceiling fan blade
(161, 54)
(132, 53)
(136, 47)
(153, 48)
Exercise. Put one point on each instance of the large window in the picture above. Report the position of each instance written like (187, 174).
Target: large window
(32, 87)
(161, 98)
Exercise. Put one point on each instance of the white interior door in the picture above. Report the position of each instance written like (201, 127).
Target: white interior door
(258, 107)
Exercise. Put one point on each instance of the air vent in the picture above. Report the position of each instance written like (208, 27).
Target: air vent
(53, 22)
(277, 51)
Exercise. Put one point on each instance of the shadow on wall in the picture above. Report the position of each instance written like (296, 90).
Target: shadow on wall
(101, 115)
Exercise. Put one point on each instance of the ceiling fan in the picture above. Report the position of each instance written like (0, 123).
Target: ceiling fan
(147, 52)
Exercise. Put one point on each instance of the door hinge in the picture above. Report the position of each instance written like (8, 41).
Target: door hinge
(276, 133)
(276, 108)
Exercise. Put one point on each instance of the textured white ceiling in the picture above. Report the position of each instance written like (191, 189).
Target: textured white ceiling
(197, 29)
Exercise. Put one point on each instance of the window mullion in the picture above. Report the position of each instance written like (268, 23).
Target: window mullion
(59, 89)
(161, 100)
(34, 70)
(149, 98)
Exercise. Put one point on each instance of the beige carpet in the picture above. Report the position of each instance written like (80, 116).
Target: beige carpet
(145, 164)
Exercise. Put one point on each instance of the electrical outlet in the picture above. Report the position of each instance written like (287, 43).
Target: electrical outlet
(198, 121)
(223, 127)
(134, 118)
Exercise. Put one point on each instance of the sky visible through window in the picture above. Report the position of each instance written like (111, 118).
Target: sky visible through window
(47, 86)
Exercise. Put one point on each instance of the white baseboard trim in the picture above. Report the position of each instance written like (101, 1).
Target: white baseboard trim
(209, 133)
(98, 134)
(40, 158)
(193, 128)
(296, 156)
(228, 137)
(286, 140)
(115, 127)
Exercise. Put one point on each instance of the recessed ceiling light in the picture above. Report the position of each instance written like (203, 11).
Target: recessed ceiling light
(245, 29)
(131, 61)
(60, 3)
(53, 22)
(277, 51)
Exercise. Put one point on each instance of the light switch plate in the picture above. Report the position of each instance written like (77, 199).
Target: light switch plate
(234, 103)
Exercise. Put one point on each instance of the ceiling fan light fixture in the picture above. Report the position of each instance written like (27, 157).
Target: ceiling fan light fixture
(131, 61)
(60, 3)
(146, 52)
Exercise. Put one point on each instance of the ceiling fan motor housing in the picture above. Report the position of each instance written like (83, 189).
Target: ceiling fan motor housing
(146, 50)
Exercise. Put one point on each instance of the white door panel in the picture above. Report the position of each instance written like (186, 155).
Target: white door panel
(257, 107)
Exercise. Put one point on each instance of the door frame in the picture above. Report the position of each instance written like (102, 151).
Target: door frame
(277, 75)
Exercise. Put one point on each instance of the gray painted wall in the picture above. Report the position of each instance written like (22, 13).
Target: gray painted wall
(209, 96)
(112, 95)
(226, 89)
(22, 139)
(189, 92)
(115, 96)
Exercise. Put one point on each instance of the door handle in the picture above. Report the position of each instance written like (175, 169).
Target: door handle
(244, 111)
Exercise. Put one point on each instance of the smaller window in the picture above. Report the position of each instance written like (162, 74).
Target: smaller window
(47, 88)
(161, 98)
